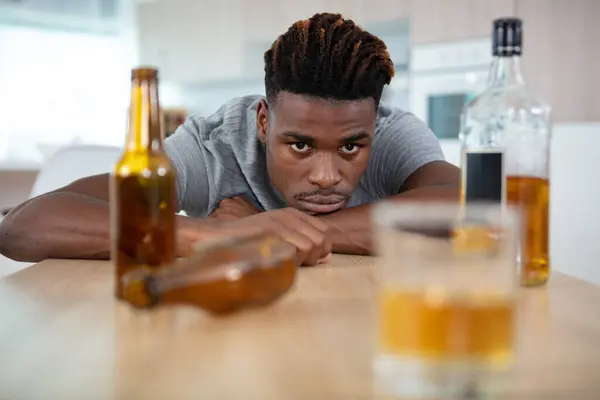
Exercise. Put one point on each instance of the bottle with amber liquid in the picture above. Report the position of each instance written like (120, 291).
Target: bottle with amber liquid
(505, 136)
(220, 278)
(142, 191)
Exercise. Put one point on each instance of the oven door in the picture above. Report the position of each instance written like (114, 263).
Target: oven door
(439, 99)
(444, 76)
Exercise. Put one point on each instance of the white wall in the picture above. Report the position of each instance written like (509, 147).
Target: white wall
(575, 200)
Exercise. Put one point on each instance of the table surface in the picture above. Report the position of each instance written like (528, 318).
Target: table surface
(63, 336)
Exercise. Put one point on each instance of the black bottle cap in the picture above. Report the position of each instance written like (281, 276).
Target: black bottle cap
(507, 37)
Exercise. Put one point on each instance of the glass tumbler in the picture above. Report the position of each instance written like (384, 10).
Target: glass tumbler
(447, 278)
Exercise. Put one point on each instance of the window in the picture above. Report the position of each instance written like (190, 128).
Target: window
(58, 87)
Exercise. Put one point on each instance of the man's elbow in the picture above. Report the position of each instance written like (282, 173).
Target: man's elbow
(16, 246)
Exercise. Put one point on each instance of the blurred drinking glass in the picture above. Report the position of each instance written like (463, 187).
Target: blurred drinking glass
(447, 280)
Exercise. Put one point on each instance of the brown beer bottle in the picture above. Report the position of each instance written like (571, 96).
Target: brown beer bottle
(219, 278)
(143, 193)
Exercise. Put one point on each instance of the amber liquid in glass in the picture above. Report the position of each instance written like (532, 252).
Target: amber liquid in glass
(434, 327)
(143, 203)
(532, 195)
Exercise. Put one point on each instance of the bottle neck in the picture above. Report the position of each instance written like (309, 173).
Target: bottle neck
(145, 126)
(505, 71)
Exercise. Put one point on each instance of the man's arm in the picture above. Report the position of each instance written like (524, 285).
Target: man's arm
(351, 228)
(71, 222)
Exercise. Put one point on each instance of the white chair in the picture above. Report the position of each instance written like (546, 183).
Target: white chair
(71, 163)
(63, 167)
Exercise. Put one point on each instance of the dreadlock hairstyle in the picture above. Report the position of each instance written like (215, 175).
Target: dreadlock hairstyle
(330, 57)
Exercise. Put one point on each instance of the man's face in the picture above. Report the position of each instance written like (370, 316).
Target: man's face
(317, 150)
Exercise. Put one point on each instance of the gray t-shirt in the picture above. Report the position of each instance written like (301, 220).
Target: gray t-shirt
(220, 157)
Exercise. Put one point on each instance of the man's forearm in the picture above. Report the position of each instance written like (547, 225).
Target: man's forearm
(72, 225)
(351, 229)
(68, 225)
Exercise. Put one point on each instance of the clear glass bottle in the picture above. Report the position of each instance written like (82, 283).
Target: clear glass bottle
(505, 137)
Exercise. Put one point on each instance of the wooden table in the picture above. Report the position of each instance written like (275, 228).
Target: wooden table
(62, 336)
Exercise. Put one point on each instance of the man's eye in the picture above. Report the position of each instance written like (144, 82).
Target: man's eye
(300, 147)
(349, 149)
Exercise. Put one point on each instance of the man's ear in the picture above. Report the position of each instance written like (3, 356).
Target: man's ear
(262, 121)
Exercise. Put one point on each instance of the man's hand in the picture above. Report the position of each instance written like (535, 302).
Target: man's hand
(306, 233)
(234, 208)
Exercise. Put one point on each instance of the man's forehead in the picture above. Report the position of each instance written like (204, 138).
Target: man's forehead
(294, 109)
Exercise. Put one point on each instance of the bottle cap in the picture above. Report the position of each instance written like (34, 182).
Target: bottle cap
(507, 37)
(144, 74)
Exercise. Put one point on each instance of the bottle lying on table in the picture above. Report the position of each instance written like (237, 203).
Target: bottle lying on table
(219, 277)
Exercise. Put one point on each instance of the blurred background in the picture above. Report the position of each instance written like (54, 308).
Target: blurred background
(65, 65)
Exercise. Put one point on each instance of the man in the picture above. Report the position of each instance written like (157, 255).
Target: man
(305, 163)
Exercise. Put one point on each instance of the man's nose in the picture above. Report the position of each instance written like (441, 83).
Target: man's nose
(324, 172)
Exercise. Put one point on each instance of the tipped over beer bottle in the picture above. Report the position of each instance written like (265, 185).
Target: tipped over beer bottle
(219, 278)
(143, 193)
(505, 137)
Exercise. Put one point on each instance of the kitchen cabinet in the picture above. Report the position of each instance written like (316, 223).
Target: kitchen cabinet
(375, 11)
(442, 20)
(265, 20)
(191, 41)
(297, 10)
(561, 57)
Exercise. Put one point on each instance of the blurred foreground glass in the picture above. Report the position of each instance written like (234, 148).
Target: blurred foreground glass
(447, 280)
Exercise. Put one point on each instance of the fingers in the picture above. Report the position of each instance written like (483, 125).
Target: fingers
(224, 216)
(325, 259)
(320, 235)
(306, 233)
(318, 224)
(306, 251)
(309, 237)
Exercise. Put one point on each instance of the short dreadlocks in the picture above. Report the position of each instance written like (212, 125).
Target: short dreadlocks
(330, 57)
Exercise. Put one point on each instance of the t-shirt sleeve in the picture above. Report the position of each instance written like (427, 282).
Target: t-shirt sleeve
(187, 154)
(403, 143)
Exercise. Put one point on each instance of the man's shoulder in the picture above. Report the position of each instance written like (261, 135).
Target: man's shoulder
(235, 118)
(397, 120)
(218, 157)
(402, 144)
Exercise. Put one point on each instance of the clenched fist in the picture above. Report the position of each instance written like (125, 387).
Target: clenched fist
(308, 234)
(238, 217)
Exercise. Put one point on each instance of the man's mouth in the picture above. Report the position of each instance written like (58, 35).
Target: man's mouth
(322, 204)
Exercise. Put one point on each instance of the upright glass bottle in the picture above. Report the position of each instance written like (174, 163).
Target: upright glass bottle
(143, 187)
(505, 139)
